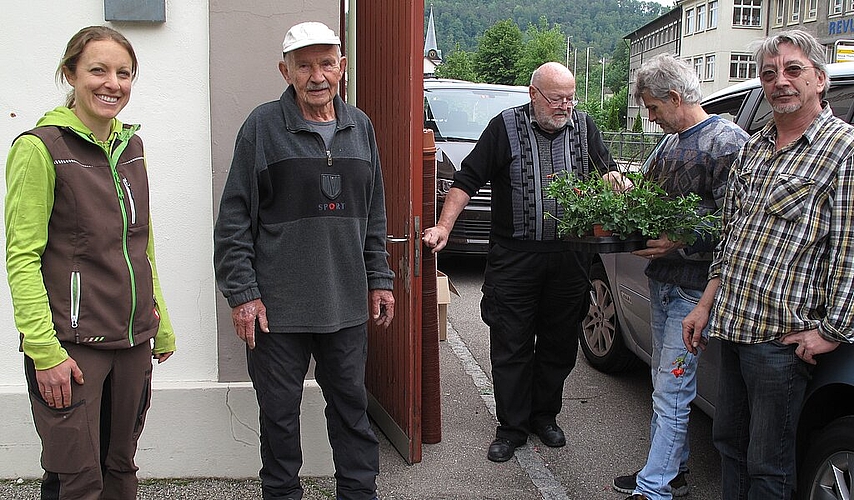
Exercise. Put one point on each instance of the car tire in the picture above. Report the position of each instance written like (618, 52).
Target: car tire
(826, 470)
(601, 337)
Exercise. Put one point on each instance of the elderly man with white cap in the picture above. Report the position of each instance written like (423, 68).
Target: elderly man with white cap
(299, 252)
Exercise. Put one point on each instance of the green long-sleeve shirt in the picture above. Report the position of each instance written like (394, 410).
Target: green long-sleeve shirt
(31, 184)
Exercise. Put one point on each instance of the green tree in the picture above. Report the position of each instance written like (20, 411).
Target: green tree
(615, 110)
(638, 125)
(459, 64)
(595, 111)
(601, 24)
(542, 44)
(617, 72)
(497, 52)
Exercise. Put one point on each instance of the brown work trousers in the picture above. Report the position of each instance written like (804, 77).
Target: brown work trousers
(88, 448)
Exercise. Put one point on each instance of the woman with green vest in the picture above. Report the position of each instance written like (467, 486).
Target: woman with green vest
(80, 261)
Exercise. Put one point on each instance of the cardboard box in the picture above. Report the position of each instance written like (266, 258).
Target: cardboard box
(444, 287)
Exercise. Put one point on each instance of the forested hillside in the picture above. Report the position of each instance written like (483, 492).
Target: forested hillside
(599, 24)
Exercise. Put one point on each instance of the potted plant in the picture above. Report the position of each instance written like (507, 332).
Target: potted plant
(640, 213)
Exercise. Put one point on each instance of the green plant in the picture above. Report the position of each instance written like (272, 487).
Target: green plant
(644, 210)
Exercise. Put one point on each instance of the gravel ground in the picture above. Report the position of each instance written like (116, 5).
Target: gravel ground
(316, 488)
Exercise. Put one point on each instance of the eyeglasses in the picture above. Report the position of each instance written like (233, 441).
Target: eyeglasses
(791, 71)
(558, 103)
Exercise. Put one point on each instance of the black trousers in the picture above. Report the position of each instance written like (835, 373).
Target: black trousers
(533, 304)
(277, 367)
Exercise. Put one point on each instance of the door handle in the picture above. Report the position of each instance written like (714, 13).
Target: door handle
(405, 239)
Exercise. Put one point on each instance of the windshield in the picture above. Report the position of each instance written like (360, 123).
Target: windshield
(462, 114)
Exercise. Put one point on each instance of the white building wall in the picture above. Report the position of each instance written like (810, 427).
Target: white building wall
(721, 42)
(196, 426)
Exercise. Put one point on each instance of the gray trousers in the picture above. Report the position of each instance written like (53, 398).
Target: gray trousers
(277, 367)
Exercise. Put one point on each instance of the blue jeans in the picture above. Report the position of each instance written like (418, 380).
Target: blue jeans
(671, 394)
(760, 395)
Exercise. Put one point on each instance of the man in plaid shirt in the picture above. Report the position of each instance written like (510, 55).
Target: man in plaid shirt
(781, 288)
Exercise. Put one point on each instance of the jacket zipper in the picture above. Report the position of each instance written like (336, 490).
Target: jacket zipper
(75, 303)
(117, 150)
(126, 184)
(328, 158)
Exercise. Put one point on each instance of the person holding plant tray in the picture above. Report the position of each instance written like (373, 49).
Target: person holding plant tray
(535, 288)
(695, 158)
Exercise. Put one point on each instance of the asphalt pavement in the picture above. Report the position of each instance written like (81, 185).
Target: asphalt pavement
(606, 420)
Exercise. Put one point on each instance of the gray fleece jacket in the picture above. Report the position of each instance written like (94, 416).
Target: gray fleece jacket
(300, 226)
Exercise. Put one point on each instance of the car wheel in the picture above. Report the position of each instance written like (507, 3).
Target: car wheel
(826, 470)
(601, 338)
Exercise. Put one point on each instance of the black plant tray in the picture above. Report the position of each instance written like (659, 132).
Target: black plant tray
(606, 244)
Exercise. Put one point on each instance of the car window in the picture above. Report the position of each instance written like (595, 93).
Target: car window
(727, 107)
(463, 113)
(841, 97)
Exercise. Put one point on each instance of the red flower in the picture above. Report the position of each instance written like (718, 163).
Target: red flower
(679, 363)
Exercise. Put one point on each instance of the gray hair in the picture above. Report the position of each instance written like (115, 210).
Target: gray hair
(664, 73)
(802, 40)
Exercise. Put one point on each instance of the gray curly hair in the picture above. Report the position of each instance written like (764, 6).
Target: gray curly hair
(663, 73)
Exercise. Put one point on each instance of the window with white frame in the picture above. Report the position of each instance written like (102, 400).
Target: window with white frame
(795, 11)
(710, 67)
(713, 14)
(812, 10)
(748, 13)
(689, 21)
(741, 67)
(834, 8)
(698, 67)
(850, 7)
(701, 17)
(779, 12)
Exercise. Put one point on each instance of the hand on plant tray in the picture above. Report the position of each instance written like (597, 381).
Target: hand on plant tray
(619, 182)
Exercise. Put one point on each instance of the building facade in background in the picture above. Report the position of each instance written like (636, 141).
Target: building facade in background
(714, 37)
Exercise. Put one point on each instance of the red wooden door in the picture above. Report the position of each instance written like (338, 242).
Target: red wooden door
(389, 88)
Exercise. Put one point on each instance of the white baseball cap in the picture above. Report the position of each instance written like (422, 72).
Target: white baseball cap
(309, 33)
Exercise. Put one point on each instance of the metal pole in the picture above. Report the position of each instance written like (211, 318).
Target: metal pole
(602, 92)
(586, 74)
(575, 63)
(567, 50)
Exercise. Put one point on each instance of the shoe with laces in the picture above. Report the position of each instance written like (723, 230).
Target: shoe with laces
(551, 435)
(627, 484)
(501, 450)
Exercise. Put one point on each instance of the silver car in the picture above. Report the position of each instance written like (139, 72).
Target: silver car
(616, 333)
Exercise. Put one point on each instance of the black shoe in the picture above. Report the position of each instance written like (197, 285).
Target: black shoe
(627, 484)
(551, 435)
(501, 450)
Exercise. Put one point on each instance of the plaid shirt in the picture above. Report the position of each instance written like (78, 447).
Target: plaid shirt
(786, 256)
